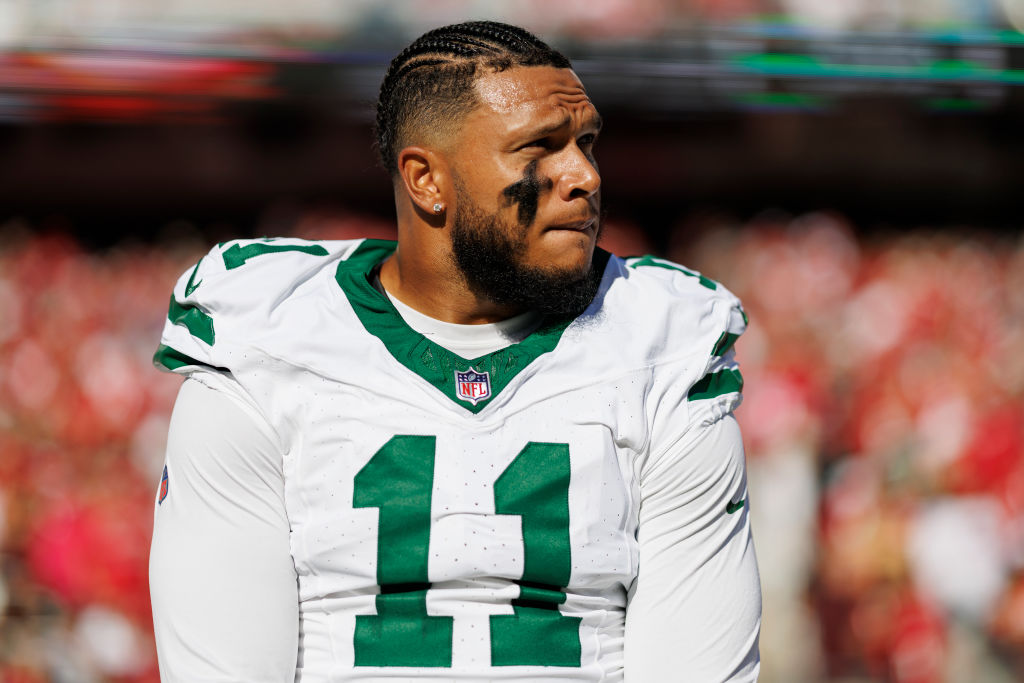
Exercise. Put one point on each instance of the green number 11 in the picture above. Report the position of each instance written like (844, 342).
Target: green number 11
(398, 481)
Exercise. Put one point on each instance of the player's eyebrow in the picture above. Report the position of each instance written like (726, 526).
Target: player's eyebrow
(549, 129)
(595, 122)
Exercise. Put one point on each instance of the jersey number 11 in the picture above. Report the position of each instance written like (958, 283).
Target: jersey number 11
(398, 481)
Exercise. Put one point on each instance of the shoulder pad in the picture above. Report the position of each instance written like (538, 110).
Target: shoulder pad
(702, 319)
(233, 286)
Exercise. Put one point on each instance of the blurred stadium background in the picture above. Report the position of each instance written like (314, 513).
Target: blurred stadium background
(853, 169)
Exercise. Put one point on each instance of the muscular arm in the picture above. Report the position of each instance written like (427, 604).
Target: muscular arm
(695, 610)
(222, 582)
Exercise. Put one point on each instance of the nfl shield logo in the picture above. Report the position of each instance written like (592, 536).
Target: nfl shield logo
(472, 386)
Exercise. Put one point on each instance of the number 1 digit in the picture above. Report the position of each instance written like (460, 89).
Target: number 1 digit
(536, 487)
(398, 480)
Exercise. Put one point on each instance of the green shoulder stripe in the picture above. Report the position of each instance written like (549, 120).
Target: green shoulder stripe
(236, 255)
(199, 324)
(716, 384)
(648, 260)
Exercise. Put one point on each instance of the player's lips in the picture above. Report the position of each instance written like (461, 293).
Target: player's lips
(582, 225)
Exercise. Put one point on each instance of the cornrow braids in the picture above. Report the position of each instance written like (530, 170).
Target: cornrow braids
(429, 85)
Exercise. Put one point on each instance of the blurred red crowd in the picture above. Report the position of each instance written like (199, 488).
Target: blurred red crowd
(884, 423)
(883, 419)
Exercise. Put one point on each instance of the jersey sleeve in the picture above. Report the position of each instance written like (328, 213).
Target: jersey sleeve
(222, 581)
(694, 609)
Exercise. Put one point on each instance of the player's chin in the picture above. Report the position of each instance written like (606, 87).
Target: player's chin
(567, 254)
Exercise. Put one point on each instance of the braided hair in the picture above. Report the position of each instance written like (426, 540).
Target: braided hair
(429, 85)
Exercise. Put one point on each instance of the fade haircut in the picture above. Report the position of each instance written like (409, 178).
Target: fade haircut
(429, 85)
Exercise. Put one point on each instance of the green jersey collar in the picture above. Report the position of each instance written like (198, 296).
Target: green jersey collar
(470, 382)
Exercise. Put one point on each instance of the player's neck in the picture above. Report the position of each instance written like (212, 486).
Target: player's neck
(426, 280)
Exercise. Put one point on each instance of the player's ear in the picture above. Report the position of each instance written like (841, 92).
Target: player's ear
(424, 175)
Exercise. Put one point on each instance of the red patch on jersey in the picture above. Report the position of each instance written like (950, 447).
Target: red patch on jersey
(163, 487)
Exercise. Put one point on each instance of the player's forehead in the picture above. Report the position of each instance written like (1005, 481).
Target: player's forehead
(527, 96)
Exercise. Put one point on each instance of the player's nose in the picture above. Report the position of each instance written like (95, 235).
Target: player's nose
(580, 177)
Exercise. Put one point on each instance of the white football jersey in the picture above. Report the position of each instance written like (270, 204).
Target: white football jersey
(458, 518)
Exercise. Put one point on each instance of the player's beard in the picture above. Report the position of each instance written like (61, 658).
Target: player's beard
(487, 250)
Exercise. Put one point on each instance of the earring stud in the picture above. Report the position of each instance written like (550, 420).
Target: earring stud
(437, 207)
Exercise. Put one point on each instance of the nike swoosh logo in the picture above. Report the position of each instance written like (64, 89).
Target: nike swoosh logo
(189, 287)
(733, 507)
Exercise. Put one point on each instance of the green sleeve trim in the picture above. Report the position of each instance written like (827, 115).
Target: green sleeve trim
(172, 359)
(716, 384)
(192, 285)
(199, 324)
(724, 343)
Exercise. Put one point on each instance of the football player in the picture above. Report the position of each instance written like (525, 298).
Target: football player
(487, 452)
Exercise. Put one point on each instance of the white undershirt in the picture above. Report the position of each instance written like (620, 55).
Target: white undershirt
(469, 341)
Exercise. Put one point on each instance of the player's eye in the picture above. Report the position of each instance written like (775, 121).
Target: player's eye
(539, 143)
(587, 140)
